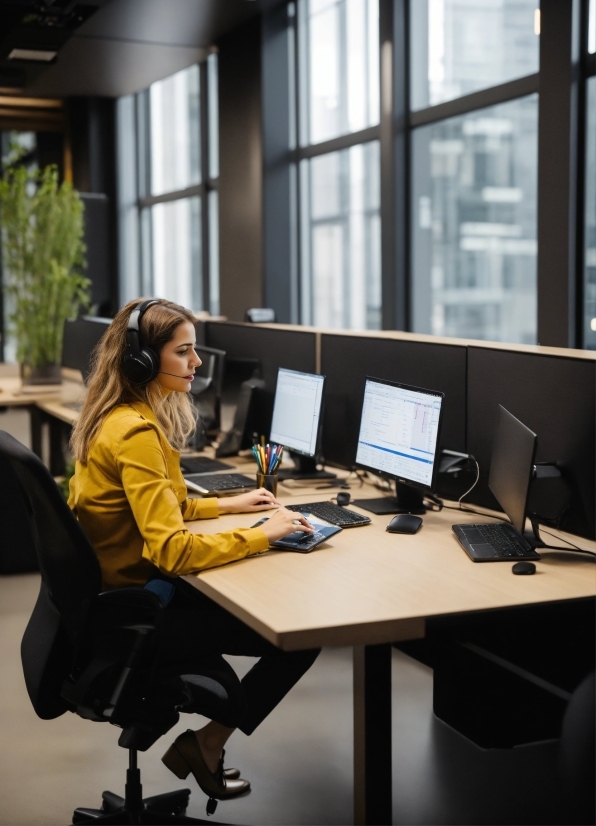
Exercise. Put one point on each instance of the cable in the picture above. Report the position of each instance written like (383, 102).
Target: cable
(559, 548)
(474, 485)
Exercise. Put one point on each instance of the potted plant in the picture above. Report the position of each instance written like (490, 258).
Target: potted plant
(43, 260)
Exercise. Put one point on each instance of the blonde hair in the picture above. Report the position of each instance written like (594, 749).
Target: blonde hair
(109, 387)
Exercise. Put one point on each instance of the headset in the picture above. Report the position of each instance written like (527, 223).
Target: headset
(140, 364)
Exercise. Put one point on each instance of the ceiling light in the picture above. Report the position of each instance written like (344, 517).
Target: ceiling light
(32, 54)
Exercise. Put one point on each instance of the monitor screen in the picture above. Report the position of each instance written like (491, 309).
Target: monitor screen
(511, 466)
(297, 410)
(81, 336)
(399, 430)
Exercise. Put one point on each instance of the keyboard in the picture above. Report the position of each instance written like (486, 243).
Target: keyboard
(334, 514)
(202, 464)
(485, 543)
(219, 482)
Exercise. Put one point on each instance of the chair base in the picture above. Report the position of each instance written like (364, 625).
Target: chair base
(161, 809)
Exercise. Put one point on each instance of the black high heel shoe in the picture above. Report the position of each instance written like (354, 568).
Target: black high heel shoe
(184, 756)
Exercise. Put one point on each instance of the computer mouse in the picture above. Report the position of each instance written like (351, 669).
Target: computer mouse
(524, 568)
(404, 523)
(343, 498)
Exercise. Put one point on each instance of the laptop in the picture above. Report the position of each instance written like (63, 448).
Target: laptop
(304, 543)
(511, 470)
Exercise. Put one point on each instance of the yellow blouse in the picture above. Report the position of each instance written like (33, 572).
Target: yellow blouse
(131, 501)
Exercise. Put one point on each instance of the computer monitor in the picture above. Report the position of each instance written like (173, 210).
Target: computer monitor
(80, 337)
(398, 439)
(296, 421)
(207, 387)
(512, 468)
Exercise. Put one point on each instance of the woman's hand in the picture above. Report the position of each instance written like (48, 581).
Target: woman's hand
(254, 500)
(284, 522)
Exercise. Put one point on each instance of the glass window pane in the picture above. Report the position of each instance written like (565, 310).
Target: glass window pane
(341, 244)
(590, 225)
(175, 132)
(474, 224)
(461, 46)
(212, 200)
(176, 247)
(340, 67)
(592, 28)
(213, 115)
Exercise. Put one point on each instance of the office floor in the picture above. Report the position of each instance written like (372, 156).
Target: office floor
(299, 760)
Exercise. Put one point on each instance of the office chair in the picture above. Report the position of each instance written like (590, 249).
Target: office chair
(97, 654)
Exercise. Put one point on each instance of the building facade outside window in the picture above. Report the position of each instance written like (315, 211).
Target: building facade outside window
(474, 177)
(168, 170)
(339, 168)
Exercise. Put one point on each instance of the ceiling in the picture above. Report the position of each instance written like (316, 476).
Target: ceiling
(128, 44)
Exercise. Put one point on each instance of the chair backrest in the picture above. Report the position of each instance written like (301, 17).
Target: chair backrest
(71, 577)
(67, 561)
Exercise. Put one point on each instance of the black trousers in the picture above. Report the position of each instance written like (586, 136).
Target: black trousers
(197, 632)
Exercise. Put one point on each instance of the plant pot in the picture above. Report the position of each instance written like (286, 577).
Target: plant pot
(46, 374)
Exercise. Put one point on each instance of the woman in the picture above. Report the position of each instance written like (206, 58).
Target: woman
(129, 495)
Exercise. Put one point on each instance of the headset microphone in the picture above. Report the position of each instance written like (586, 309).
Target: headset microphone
(162, 373)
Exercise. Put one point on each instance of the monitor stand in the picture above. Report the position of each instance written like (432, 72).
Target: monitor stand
(533, 536)
(305, 468)
(407, 500)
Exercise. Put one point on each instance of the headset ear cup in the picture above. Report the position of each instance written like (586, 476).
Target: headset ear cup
(140, 364)
(141, 368)
(152, 361)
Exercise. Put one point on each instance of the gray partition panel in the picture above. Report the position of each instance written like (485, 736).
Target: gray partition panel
(556, 398)
(272, 347)
(347, 360)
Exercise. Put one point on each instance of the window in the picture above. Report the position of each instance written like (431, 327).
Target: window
(168, 169)
(474, 170)
(474, 216)
(590, 222)
(461, 46)
(339, 48)
(341, 241)
(339, 187)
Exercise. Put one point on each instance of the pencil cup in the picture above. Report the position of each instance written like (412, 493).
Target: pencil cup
(267, 481)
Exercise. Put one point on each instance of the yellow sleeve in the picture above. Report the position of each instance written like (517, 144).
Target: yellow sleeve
(167, 542)
(199, 509)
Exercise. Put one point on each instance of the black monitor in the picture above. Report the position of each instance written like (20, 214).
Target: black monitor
(296, 421)
(399, 439)
(511, 469)
(207, 386)
(81, 336)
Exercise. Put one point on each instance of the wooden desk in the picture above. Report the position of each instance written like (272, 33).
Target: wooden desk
(45, 406)
(367, 588)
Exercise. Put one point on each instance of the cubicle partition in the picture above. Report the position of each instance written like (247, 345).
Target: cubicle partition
(551, 390)
(346, 359)
(269, 347)
(555, 396)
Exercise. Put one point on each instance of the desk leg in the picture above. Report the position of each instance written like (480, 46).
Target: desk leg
(372, 735)
(36, 421)
(57, 463)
